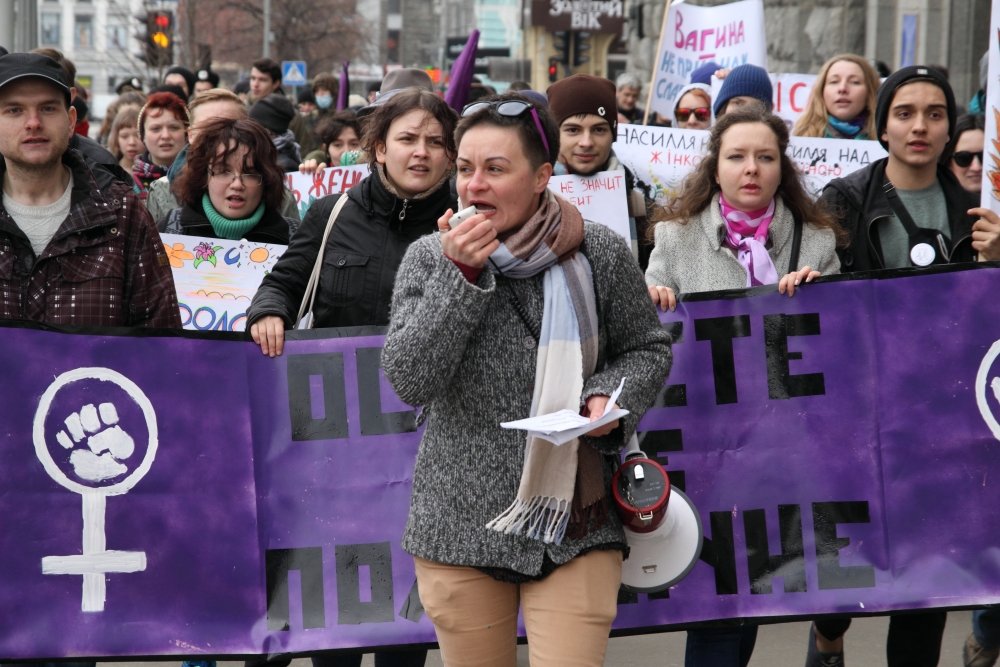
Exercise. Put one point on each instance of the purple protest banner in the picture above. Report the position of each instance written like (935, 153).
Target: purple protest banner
(838, 447)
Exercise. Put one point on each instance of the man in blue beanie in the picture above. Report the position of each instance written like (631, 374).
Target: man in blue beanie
(743, 85)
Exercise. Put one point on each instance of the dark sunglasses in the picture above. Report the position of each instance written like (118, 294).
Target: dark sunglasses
(964, 158)
(701, 113)
(511, 109)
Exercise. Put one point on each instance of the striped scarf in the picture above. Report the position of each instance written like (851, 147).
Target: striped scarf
(567, 354)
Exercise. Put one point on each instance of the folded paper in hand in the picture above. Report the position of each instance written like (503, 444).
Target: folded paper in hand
(565, 425)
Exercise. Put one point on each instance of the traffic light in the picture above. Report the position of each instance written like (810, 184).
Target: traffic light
(581, 48)
(561, 42)
(553, 70)
(159, 38)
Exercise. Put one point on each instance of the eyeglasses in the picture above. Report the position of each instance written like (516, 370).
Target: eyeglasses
(701, 113)
(964, 158)
(510, 109)
(248, 178)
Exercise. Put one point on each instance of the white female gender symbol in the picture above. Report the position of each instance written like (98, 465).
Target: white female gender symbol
(96, 560)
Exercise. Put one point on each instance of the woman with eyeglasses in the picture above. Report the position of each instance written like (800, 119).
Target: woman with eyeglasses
(522, 309)
(693, 108)
(231, 187)
(964, 153)
(841, 103)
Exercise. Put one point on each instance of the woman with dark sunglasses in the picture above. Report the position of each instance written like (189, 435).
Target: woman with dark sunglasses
(522, 309)
(693, 108)
(964, 153)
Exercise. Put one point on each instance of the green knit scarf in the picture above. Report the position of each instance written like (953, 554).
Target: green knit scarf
(233, 230)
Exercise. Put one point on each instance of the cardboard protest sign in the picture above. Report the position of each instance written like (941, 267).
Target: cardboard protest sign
(990, 197)
(307, 188)
(217, 278)
(731, 34)
(600, 197)
(661, 157)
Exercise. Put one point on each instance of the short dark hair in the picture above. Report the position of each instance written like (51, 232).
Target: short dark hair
(69, 69)
(329, 127)
(268, 67)
(532, 144)
(375, 126)
(965, 122)
(192, 184)
(327, 81)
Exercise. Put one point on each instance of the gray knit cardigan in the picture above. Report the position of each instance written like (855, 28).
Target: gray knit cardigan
(462, 351)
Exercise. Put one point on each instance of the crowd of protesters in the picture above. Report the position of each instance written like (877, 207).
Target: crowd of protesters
(193, 158)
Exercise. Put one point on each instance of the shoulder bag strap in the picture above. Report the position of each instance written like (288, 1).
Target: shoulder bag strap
(793, 259)
(309, 296)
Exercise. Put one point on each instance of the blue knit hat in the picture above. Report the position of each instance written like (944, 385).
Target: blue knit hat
(745, 81)
(703, 73)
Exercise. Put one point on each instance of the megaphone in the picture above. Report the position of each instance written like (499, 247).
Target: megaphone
(661, 524)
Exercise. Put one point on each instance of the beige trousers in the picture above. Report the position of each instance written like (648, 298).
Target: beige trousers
(567, 615)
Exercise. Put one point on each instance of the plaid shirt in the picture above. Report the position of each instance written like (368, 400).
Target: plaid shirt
(105, 265)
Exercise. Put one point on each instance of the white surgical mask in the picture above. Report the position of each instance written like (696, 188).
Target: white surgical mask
(324, 101)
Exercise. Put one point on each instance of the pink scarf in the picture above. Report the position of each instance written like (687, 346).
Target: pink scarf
(746, 234)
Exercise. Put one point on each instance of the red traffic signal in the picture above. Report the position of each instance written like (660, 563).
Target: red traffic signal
(553, 70)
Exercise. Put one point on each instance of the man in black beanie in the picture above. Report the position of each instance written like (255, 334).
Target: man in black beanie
(905, 210)
(275, 112)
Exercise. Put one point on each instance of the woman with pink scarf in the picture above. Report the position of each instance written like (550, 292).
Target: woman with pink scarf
(742, 219)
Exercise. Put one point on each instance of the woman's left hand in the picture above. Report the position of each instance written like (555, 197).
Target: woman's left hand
(790, 281)
(594, 409)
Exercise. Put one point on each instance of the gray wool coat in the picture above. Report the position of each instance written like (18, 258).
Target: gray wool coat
(461, 350)
(691, 257)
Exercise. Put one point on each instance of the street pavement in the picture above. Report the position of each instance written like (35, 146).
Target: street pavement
(778, 645)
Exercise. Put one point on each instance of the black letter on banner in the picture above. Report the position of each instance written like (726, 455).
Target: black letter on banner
(826, 516)
(762, 566)
(373, 420)
(330, 369)
(721, 331)
(672, 395)
(720, 552)
(277, 564)
(351, 609)
(780, 382)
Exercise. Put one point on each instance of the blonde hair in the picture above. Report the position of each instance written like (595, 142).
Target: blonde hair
(812, 122)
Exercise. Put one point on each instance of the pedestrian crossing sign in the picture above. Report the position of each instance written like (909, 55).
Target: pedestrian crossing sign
(293, 73)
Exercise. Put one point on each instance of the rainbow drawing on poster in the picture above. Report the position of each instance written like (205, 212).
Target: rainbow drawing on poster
(217, 278)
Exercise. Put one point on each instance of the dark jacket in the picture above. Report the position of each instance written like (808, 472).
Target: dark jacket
(364, 250)
(102, 163)
(191, 220)
(105, 265)
(857, 202)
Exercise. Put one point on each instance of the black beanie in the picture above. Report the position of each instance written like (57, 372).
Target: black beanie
(901, 77)
(188, 75)
(274, 112)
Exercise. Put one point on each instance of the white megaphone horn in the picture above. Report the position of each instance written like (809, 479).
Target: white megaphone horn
(662, 527)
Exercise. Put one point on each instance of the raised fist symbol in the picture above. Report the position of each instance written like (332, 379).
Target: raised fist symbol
(97, 442)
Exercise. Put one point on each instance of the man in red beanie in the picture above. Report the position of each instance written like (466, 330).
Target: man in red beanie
(586, 109)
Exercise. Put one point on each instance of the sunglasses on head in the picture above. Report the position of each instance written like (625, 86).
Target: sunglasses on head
(701, 113)
(964, 158)
(511, 109)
